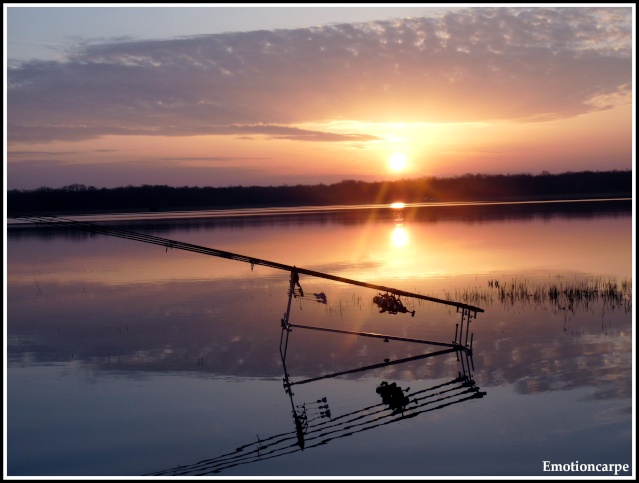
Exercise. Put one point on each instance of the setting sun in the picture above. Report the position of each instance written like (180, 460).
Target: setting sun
(397, 162)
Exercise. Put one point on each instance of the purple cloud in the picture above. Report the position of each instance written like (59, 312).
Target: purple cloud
(479, 64)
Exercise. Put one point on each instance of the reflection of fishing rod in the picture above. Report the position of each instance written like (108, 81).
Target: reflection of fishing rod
(300, 420)
(383, 417)
(457, 390)
(386, 338)
(167, 243)
(339, 427)
(373, 366)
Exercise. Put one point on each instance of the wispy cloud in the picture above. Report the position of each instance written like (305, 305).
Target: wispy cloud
(23, 154)
(522, 64)
(213, 159)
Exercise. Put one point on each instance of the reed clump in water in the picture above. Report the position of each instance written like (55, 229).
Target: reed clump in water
(565, 295)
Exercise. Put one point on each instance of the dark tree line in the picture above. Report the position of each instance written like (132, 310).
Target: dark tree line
(469, 187)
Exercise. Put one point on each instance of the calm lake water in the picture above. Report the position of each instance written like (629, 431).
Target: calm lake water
(128, 359)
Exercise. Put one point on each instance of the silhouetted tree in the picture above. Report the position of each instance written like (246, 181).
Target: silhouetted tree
(468, 187)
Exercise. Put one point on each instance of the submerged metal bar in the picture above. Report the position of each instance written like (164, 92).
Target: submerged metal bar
(285, 324)
(165, 242)
(373, 366)
(380, 336)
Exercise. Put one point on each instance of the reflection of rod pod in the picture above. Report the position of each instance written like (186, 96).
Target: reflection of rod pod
(299, 430)
(461, 389)
(429, 399)
(453, 345)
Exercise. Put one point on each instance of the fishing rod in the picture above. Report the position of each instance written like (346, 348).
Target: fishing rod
(168, 243)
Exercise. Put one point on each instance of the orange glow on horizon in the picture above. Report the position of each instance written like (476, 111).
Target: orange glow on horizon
(439, 150)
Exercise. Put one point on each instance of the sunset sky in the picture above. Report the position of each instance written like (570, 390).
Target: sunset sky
(271, 95)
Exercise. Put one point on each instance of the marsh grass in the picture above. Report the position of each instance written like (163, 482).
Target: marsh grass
(570, 295)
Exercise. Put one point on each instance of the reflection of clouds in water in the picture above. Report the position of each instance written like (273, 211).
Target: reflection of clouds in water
(540, 333)
(539, 356)
(222, 329)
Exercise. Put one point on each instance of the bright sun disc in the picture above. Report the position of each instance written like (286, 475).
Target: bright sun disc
(397, 161)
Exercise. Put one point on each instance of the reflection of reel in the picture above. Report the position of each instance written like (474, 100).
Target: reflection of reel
(318, 409)
(393, 396)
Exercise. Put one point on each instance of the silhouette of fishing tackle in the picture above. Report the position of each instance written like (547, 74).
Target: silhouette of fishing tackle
(392, 304)
(295, 284)
(468, 312)
(320, 297)
(95, 228)
(392, 395)
(401, 404)
(298, 292)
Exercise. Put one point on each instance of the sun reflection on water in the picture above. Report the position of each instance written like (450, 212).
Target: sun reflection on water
(399, 237)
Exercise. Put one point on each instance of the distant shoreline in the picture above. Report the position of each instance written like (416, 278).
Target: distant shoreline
(80, 199)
